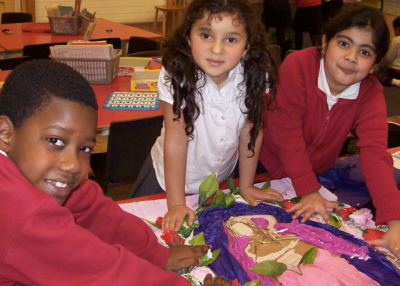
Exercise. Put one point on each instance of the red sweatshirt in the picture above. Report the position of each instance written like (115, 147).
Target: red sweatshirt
(303, 138)
(89, 241)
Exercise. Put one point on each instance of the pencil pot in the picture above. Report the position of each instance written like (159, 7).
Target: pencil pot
(68, 25)
(96, 71)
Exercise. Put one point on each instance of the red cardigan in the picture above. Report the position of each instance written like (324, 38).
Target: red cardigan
(89, 241)
(303, 138)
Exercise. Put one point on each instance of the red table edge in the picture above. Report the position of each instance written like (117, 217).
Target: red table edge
(223, 186)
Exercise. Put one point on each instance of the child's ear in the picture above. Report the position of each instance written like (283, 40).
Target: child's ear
(6, 133)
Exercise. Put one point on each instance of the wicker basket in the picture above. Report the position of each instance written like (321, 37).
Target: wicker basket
(96, 71)
(68, 25)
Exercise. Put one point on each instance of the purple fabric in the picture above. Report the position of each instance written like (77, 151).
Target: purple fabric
(323, 239)
(237, 248)
(211, 224)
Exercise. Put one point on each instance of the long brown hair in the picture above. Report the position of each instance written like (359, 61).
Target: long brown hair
(183, 73)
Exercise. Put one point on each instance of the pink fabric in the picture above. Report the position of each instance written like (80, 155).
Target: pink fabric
(261, 222)
(323, 239)
(236, 248)
(327, 271)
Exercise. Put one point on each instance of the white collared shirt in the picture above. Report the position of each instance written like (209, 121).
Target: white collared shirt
(2, 152)
(350, 92)
(214, 148)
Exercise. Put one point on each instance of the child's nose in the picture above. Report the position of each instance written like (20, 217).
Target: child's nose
(217, 48)
(351, 56)
(70, 162)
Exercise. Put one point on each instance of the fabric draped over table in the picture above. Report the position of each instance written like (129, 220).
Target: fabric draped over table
(211, 220)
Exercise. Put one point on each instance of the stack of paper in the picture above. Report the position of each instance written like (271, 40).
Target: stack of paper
(82, 50)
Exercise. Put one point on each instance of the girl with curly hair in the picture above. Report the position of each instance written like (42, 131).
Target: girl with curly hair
(217, 70)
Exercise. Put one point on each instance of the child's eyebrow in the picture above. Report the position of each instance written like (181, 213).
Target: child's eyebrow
(68, 130)
(351, 41)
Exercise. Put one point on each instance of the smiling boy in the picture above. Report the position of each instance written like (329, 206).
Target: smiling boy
(57, 228)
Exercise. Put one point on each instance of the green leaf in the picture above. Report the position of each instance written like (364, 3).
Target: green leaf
(309, 256)
(220, 199)
(279, 203)
(152, 223)
(335, 220)
(207, 188)
(267, 185)
(232, 185)
(296, 200)
(339, 203)
(229, 200)
(214, 257)
(198, 239)
(252, 283)
(269, 267)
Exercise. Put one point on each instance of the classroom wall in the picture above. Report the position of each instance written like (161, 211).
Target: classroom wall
(121, 11)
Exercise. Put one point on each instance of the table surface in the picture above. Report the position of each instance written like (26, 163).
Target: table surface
(106, 116)
(18, 39)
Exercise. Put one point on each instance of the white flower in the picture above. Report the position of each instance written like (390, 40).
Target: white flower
(362, 218)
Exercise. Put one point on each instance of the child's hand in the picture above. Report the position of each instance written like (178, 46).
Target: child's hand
(253, 194)
(391, 239)
(313, 203)
(184, 256)
(219, 281)
(175, 216)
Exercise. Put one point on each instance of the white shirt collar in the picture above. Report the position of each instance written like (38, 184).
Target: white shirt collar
(4, 153)
(350, 92)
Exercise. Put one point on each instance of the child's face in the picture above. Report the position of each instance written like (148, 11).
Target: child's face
(52, 148)
(217, 47)
(349, 57)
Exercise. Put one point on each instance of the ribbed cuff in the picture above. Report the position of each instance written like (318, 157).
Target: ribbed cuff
(387, 212)
(306, 184)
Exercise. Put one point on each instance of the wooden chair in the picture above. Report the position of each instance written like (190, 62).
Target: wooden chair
(15, 17)
(11, 63)
(39, 51)
(276, 54)
(129, 143)
(142, 44)
(175, 10)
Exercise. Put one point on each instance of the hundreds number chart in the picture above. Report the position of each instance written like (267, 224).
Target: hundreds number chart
(133, 100)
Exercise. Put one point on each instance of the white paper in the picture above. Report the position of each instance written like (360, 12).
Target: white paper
(285, 185)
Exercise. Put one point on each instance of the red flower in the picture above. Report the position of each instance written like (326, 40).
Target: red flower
(235, 283)
(346, 211)
(288, 205)
(171, 237)
(371, 234)
(159, 220)
(210, 199)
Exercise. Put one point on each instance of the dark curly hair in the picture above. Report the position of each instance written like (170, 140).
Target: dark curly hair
(183, 72)
(363, 17)
(33, 84)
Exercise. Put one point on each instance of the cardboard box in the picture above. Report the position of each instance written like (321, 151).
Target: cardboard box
(144, 85)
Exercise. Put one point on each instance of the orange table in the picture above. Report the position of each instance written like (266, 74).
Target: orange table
(121, 83)
(106, 116)
(15, 42)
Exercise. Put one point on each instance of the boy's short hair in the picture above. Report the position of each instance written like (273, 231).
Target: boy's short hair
(396, 23)
(33, 84)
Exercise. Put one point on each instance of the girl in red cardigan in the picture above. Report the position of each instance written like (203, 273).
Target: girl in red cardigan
(324, 94)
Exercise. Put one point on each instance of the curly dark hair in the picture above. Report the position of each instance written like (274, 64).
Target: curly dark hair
(183, 72)
(33, 84)
(363, 17)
